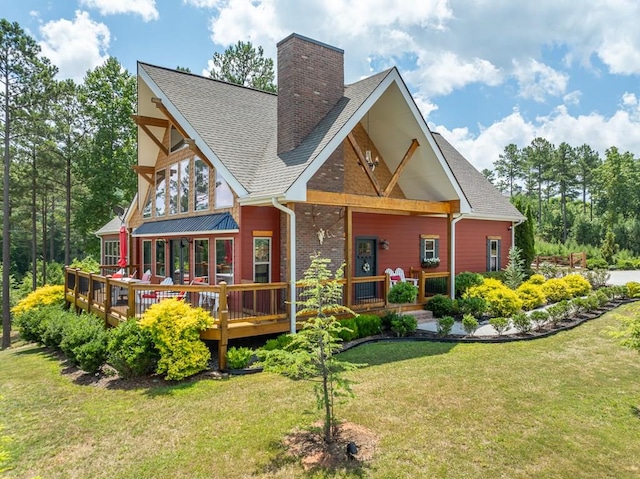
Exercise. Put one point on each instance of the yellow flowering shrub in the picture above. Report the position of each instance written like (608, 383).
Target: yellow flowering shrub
(175, 329)
(536, 279)
(501, 300)
(556, 289)
(633, 289)
(531, 295)
(577, 285)
(44, 296)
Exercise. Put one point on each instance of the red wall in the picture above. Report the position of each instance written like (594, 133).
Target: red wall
(471, 243)
(258, 218)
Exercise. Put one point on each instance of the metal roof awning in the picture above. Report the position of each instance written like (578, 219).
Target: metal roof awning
(206, 224)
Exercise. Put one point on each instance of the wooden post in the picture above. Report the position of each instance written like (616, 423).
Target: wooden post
(348, 256)
(584, 260)
(224, 327)
(421, 286)
(387, 283)
(90, 296)
(107, 299)
(76, 291)
(131, 301)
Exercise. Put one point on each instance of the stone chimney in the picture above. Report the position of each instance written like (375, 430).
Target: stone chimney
(310, 83)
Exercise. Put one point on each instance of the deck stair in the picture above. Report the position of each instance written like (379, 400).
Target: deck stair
(422, 316)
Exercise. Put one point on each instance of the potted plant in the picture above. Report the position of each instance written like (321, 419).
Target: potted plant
(430, 262)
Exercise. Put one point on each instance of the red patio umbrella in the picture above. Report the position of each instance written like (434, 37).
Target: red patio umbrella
(122, 262)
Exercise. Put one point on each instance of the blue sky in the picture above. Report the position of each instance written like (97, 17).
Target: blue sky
(484, 73)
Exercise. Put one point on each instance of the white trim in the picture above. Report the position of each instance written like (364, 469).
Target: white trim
(292, 262)
(452, 248)
(253, 259)
(184, 233)
(235, 185)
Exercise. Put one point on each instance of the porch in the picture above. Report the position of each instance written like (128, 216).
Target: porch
(238, 310)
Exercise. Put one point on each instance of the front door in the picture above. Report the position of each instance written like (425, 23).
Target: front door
(366, 265)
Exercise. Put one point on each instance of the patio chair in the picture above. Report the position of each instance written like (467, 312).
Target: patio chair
(400, 272)
(397, 276)
(150, 296)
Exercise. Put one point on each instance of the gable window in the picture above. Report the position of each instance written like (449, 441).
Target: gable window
(183, 190)
(111, 252)
(160, 258)
(146, 256)
(261, 260)
(161, 191)
(493, 253)
(177, 140)
(200, 185)
(224, 260)
(173, 189)
(429, 250)
(224, 196)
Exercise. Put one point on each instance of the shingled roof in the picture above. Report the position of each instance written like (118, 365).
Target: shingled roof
(484, 198)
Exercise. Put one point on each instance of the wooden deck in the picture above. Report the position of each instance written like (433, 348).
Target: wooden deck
(241, 310)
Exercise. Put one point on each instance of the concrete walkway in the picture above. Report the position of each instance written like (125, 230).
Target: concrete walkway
(485, 329)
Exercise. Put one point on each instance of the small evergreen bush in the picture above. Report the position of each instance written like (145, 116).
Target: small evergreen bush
(368, 325)
(349, 330)
(404, 325)
(633, 289)
(469, 324)
(465, 280)
(440, 305)
(538, 319)
(54, 324)
(597, 263)
(514, 272)
(388, 319)
(522, 322)
(281, 342)
(531, 295)
(445, 325)
(597, 278)
(473, 306)
(30, 321)
(403, 292)
(239, 358)
(500, 324)
(130, 350)
(558, 312)
(84, 342)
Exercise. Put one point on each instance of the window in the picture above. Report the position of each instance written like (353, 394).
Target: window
(201, 185)
(430, 250)
(146, 210)
(224, 260)
(183, 190)
(493, 254)
(173, 189)
(111, 252)
(261, 260)
(224, 196)
(177, 140)
(161, 191)
(160, 258)
(146, 255)
(201, 258)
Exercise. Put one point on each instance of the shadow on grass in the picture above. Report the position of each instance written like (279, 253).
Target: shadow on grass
(392, 350)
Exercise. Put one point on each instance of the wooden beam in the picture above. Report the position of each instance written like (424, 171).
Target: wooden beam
(146, 172)
(153, 137)
(363, 163)
(150, 121)
(160, 106)
(191, 143)
(391, 204)
(405, 160)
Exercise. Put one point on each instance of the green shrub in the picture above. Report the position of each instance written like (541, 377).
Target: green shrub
(440, 305)
(499, 275)
(29, 323)
(597, 278)
(603, 299)
(281, 342)
(633, 289)
(501, 300)
(538, 319)
(349, 330)
(44, 296)
(368, 325)
(473, 306)
(465, 280)
(469, 324)
(592, 302)
(558, 312)
(130, 350)
(402, 292)
(577, 285)
(388, 319)
(404, 325)
(597, 263)
(84, 342)
(54, 324)
(239, 358)
(445, 325)
(531, 295)
(522, 322)
(626, 264)
(88, 264)
(175, 329)
(500, 324)
(556, 289)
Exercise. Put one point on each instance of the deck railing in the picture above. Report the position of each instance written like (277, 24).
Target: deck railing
(572, 260)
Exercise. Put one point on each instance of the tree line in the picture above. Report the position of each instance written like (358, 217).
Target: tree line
(574, 194)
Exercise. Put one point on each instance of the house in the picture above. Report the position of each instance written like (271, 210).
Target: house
(242, 186)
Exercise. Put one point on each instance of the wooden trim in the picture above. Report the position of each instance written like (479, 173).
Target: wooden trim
(494, 237)
(385, 204)
(193, 147)
(348, 218)
(150, 121)
(429, 236)
(153, 137)
(146, 172)
(261, 233)
(405, 160)
(364, 164)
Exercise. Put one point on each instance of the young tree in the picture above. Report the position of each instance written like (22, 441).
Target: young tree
(311, 354)
(588, 161)
(538, 156)
(22, 74)
(524, 234)
(564, 169)
(243, 64)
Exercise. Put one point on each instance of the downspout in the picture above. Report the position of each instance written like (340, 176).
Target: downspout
(513, 231)
(452, 278)
(292, 260)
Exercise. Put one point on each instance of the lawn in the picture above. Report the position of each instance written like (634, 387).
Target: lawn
(560, 407)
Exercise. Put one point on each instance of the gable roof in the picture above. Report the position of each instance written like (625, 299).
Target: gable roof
(485, 200)
(112, 227)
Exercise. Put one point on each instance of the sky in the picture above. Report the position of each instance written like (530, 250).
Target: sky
(484, 73)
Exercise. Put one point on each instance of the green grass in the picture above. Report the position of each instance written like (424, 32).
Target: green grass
(561, 407)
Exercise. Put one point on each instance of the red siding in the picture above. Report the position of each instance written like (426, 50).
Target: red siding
(471, 243)
(403, 234)
(258, 218)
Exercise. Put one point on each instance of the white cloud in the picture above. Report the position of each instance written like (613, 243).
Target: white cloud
(424, 105)
(75, 46)
(629, 99)
(145, 8)
(538, 80)
(572, 98)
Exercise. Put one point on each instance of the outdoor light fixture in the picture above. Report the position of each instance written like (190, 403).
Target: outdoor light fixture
(367, 154)
(352, 450)
(384, 244)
